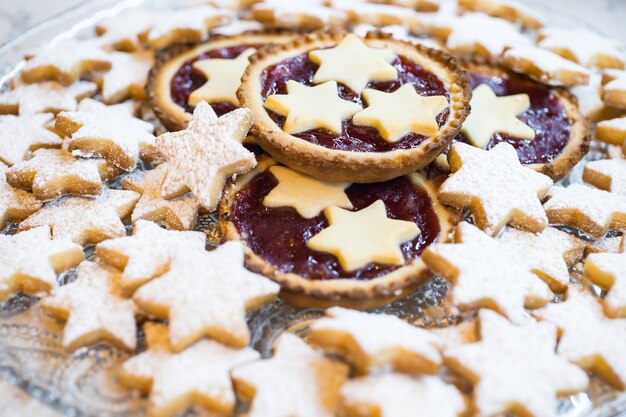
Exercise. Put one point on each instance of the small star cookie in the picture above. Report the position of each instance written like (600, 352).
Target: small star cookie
(505, 381)
(296, 381)
(46, 97)
(491, 114)
(354, 64)
(305, 194)
(612, 131)
(592, 211)
(196, 376)
(372, 342)
(363, 12)
(92, 309)
(308, 14)
(122, 31)
(85, 220)
(607, 174)
(510, 10)
(614, 90)
(127, 108)
(21, 134)
(207, 294)
(31, 260)
(487, 273)
(148, 253)
(608, 270)
(15, 205)
(127, 77)
(53, 173)
(358, 238)
(589, 98)
(404, 111)
(201, 157)
(307, 108)
(496, 188)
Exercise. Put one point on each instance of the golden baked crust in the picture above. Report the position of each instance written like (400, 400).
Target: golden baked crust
(346, 292)
(338, 165)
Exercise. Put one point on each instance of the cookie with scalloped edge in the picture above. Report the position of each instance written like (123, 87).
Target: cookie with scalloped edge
(45, 97)
(127, 77)
(15, 204)
(20, 135)
(513, 11)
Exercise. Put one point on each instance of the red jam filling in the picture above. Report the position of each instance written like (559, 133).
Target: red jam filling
(279, 235)
(353, 138)
(546, 116)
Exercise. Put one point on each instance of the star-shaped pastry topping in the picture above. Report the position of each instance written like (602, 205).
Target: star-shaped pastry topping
(148, 253)
(492, 114)
(495, 187)
(608, 270)
(52, 97)
(306, 108)
(223, 79)
(31, 260)
(549, 253)
(180, 213)
(92, 309)
(487, 273)
(404, 111)
(376, 341)
(110, 135)
(15, 205)
(353, 64)
(53, 173)
(399, 395)
(85, 220)
(127, 77)
(305, 194)
(296, 381)
(21, 134)
(607, 174)
(358, 238)
(505, 381)
(207, 294)
(588, 337)
(196, 376)
(201, 157)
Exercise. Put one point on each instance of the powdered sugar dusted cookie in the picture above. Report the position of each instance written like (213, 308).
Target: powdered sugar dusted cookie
(207, 294)
(608, 270)
(376, 341)
(510, 10)
(127, 77)
(589, 97)
(85, 220)
(614, 90)
(196, 376)
(201, 157)
(612, 131)
(237, 27)
(377, 14)
(476, 265)
(46, 97)
(31, 260)
(15, 205)
(592, 211)
(21, 134)
(496, 188)
(92, 309)
(398, 395)
(127, 108)
(300, 14)
(606, 244)
(505, 380)
(122, 31)
(296, 381)
(607, 174)
(148, 253)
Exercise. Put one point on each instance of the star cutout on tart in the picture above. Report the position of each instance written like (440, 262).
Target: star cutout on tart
(127, 77)
(295, 381)
(496, 188)
(491, 114)
(93, 310)
(307, 108)
(608, 270)
(85, 220)
(207, 294)
(21, 134)
(223, 79)
(31, 260)
(148, 253)
(201, 157)
(486, 273)
(46, 97)
(305, 194)
(358, 238)
(607, 174)
(401, 112)
(504, 380)
(15, 205)
(197, 376)
(354, 64)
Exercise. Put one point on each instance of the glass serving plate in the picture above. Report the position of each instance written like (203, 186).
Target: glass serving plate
(83, 383)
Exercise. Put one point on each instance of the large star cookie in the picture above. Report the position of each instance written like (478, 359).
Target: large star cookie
(127, 77)
(545, 66)
(46, 97)
(607, 174)
(609, 271)
(15, 205)
(21, 134)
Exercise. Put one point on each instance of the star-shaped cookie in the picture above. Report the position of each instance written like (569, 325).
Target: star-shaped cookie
(608, 270)
(358, 238)
(401, 112)
(122, 31)
(46, 97)
(207, 294)
(296, 381)
(614, 89)
(317, 107)
(85, 220)
(612, 131)
(305, 194)
(354, 64)
(15, 205)
(21, 134)
(505, 381)
(92, 309)
(201, 157)
(31, 260)
(127, 77)
(496, 188)
(607, 174)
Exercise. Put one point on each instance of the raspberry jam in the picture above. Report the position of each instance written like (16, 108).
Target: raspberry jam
(279, 235)
(353, 138)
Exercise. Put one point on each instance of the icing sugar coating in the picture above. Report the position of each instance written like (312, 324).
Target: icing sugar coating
(609, 271)
(15, 205)
(612, 131)
(45, 97)
(122, 31)
(21, 134)
(545, 66)
(510, 10)
(607, 174)
(303, 13)
(127, 77)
